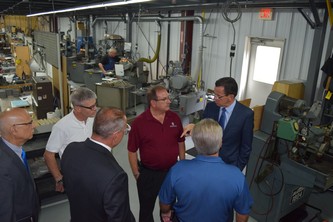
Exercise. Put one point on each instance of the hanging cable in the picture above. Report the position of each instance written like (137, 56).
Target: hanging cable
(226, 8)
(137, 36)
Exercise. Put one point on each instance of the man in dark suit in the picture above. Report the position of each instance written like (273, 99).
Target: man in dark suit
(236, 121)
(19, 201)
(97, 187)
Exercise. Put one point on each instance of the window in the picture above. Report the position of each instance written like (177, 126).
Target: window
(266, 64)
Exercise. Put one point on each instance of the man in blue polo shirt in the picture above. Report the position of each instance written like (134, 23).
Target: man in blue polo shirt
(205, 188)
(108, 61)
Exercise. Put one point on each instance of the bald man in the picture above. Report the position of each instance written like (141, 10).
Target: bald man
(19, 201)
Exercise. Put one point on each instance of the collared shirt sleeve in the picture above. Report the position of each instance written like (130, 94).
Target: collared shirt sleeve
(133, 138)
(180, 139)
(244, 200)
(56, 140)
(167, 193)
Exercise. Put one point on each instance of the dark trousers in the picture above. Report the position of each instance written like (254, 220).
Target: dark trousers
(149, 184)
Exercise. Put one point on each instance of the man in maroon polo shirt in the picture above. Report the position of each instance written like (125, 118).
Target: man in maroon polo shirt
(156, 134)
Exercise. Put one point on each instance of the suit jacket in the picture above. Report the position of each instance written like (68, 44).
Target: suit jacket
(237, 135)
(97, 187)
(19, 200)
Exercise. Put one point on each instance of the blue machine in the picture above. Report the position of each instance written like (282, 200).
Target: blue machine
(81, 41)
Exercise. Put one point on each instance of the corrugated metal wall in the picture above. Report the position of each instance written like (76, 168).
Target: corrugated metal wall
(287, 24)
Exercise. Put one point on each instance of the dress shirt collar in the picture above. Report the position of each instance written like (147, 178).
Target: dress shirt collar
(150, 116)
(230, 108)
(102, 144)
(82, 123)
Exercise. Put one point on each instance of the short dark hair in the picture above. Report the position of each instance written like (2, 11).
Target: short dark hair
(108, 120)
(229, 84)
(151, 94)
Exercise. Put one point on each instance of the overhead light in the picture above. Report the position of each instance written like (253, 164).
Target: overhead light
(101, 5)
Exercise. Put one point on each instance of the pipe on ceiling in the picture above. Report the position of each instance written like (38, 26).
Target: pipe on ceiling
(105, 19)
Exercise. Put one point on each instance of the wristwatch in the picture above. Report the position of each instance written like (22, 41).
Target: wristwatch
(60, 181)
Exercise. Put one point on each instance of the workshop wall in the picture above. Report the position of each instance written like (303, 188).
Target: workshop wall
(26, 24)
(286, 24)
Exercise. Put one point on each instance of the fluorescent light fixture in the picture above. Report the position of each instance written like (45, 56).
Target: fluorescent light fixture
(101, 5)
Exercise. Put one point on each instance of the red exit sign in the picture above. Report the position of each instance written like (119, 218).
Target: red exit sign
(266, 14)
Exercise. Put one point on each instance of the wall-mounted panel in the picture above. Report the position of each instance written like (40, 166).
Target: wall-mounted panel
(48, 43)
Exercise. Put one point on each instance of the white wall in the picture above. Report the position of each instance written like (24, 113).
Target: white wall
(286, 24)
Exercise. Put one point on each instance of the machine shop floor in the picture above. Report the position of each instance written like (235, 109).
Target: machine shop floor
(58, 211)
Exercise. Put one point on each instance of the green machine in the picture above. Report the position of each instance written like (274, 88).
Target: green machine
(290, 158)
(287, 129)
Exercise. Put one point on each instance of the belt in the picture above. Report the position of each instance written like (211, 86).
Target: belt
(142, 166)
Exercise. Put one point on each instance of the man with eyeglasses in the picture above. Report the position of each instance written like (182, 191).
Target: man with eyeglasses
(19, 200)
(74, 127)
(156, 135)
(97, 187)
(236, 121)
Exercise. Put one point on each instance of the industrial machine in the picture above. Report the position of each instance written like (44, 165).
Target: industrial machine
(111, 41)
(290, 158)
(185, 98)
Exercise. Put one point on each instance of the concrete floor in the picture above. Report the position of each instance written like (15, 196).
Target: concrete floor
(59, 210)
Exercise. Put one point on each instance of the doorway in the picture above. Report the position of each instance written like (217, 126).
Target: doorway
(261, 68)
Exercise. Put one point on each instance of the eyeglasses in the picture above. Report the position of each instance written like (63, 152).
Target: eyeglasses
(128, 129)
(163, 100)
(218, 97)
(23, 124)
(88, 107)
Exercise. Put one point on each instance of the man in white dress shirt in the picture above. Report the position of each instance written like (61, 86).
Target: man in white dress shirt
(74, 127)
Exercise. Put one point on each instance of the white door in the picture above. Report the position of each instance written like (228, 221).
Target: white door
(263, 68)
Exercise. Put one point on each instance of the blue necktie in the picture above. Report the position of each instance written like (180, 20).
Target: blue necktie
(24, 158)
(222, 118)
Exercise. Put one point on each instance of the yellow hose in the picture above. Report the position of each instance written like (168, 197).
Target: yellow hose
(156, 53)
(329, 9)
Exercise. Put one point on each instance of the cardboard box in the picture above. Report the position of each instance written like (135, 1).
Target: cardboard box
(258, 111)
(293, 89)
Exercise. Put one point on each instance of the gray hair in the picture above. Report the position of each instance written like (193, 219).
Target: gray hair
(81, 94)
(108, 121)
(207, 137)
(113, 50)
